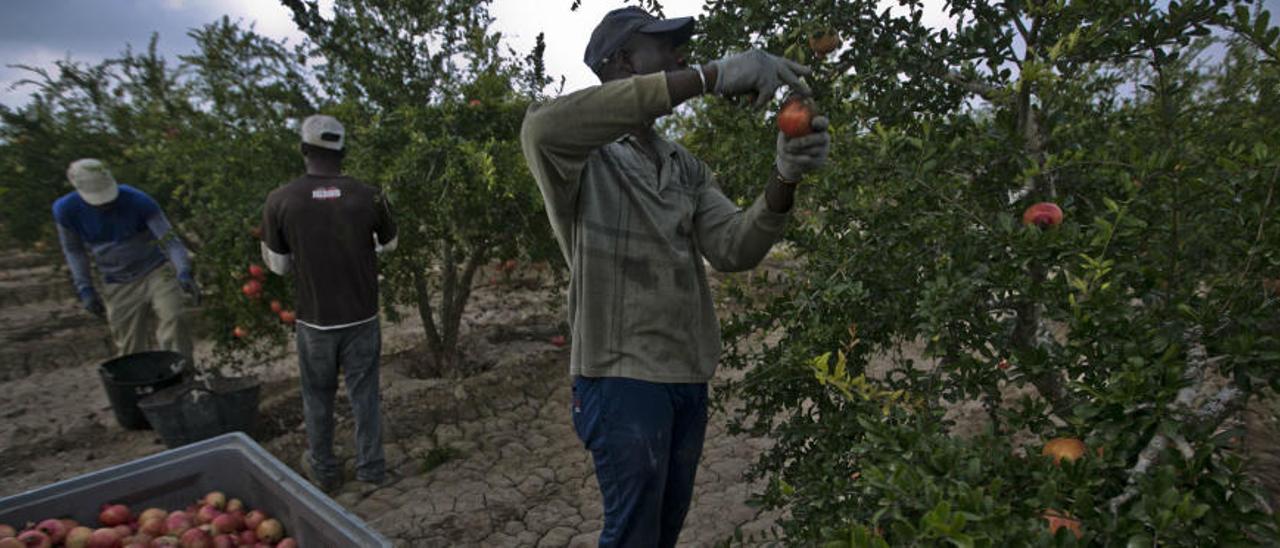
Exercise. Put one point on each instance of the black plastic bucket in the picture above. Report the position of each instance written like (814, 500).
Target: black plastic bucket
(195, 411)
(132, 377)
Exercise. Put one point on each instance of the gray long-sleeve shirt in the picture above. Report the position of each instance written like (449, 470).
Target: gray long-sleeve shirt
(634, 233)
(128, 239)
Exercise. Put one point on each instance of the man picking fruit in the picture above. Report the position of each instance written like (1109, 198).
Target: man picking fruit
(635, 215)
(130, 239)
(328, 229)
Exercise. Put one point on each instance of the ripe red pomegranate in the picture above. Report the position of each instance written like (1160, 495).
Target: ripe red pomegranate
(225, 541)
(32, 538)
(288, 316)
(140, 540)
(105, 537)
(55, 528)
(195, 538)
(152, 513)
(257, 272)
(227, 523)
(206, 514)
(236, 505)
(1043, 215)
(252, 289)
(153, 526)
(114, 514)
(78, 537)
(123, 530)
(287, 542)
(240, 332)
(178, 523)
(276, 307)
(248, 538)
(216, 499)
(558, 340)
(824, 42)
(270, 531)
(253, 519)
(795, 119)
(166, 542)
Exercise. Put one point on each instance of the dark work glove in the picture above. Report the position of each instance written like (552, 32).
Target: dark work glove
(190, 287)
(93, 305)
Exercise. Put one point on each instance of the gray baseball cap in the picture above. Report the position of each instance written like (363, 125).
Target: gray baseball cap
(618, 26)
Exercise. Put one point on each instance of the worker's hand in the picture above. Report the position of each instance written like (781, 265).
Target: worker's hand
(190, 287)
(757, 72)
(805, 154)
(93, 304)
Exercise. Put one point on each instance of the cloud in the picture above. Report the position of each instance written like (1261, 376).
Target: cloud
(567, 32)
(39, 32)
(10, 92)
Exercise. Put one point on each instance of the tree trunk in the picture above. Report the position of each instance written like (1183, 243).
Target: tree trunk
(442, 326)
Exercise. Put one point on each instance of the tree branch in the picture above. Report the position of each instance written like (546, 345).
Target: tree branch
(1229, 400)
(986, 91)
(423, 294)
(447, 297)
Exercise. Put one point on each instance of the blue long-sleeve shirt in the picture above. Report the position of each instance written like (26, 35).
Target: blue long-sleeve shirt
(128, 239)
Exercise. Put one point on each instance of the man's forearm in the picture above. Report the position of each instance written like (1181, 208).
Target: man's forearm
(77, 260)
(684, 84)
(779, 196)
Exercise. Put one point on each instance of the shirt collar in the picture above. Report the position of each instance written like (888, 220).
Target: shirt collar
(664, 147)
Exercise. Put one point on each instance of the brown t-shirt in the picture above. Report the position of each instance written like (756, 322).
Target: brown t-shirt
(328, 225)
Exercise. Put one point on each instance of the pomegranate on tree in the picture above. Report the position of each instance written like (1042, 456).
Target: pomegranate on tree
(1043, 215)
(823, 42)
(1063, 448)
(252, 289)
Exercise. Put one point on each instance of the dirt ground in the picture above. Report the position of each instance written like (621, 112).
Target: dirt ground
(486, 460)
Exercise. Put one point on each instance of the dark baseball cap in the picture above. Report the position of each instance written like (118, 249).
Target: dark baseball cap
(618, 26)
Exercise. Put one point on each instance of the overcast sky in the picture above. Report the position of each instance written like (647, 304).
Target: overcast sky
(39, 32)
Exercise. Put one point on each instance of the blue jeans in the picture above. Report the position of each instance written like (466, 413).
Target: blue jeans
(646, 439)
(355, 351)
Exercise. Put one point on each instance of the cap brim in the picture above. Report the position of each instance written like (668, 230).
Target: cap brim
(680, 29)
(106, 195)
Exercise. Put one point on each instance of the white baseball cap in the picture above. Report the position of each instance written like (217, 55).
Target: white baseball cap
(324, 132)
(93, 181)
